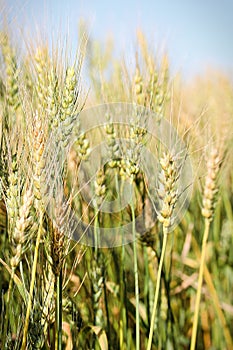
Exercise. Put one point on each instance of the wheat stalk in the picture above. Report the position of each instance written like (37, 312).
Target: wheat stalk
(22, 224)
(209, 202)
(168, 195)
(38, 178)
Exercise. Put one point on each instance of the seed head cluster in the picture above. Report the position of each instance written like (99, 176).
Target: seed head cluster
(38, 157)
(210, 189)
(168, 193)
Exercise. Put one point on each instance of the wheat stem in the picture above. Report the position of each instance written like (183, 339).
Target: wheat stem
(136, 280)
(8, 307)
(216, 302)
(157, 288)
(123, 308)
(146, 282)
(209, 201)
(58, 342)
(33, 277)
(199, 287)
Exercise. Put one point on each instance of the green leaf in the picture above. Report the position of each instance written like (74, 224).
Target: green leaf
(23, 292)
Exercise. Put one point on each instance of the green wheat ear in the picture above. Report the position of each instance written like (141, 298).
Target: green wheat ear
(9, 56)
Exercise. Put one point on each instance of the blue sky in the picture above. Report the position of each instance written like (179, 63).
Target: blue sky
(196, 33)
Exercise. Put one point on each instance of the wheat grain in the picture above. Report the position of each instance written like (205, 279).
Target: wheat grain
(210, 187)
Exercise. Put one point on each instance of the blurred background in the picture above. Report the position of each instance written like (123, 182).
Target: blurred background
(196, 34)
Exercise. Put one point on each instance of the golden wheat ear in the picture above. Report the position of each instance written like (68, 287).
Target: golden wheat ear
(210, 187)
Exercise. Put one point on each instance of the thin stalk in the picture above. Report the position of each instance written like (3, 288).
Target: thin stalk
(96, 238)
(8, 307)
(33, 277)
(107, 310)
(136, 280)
(123, 312)
(58, 342)
(96, 233)
(146, 284)
(96, 253)
(123, 328)
(216, 302)
(157, 288)
(96, 258)
(199, 286)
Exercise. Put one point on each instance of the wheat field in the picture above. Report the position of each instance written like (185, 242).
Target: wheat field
(165, 281)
